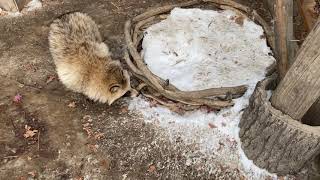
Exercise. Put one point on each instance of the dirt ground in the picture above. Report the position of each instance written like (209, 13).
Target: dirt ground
(78, 138)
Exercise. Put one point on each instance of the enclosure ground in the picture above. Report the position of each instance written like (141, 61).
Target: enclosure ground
(76, 137)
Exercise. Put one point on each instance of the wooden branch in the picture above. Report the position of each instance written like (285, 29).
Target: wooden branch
(300, 88)
(134, 33)
(284, 35)
(163, 9)
(193, 98)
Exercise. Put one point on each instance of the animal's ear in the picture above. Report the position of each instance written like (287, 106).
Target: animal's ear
(114, 88)
(102, 50)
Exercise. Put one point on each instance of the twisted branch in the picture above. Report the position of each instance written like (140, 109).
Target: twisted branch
(134, 34)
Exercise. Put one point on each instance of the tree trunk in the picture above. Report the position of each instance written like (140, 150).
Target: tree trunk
(273, 140)
(300, 88)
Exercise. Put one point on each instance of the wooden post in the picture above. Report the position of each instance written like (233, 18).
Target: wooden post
(284, 35)
(274, 140)
(300, 88)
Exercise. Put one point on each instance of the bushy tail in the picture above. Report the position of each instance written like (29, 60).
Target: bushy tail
(75, 34)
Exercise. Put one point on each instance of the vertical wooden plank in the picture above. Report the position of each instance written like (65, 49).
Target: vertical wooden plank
(9, 5)
(13, 5)
(300, 88)
(284, 35)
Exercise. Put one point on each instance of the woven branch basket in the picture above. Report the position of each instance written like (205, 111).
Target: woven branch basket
(161, 90)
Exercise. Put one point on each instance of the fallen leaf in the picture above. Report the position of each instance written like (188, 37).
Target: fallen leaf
(17, 98)
(212, 126)
(208, 109)
(177, 110)
(32, 173)
(22, 178)
(239, 20)
(50, 79)
(93, 147)
(269, 178)
(221, 145)
(30, 67)
(153, 103)
(242, 177)
(87, 128)
(72, 105)
(105, 163)
(152, 168)
(86, 124)
(29, 132)
(87, 118)
(29, 158)
(124, 109)
(98, 136)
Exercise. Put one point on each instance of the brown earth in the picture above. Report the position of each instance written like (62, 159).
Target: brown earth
(86, 139)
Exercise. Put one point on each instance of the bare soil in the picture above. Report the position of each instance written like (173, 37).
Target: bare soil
(88, 140)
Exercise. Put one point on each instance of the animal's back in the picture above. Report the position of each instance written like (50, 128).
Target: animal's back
(75, 35)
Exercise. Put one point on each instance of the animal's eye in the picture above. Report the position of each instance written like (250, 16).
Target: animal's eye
(114, 88)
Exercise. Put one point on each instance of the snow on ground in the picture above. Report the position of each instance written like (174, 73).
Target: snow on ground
(33, 5)
(4, 13)
(197, 49)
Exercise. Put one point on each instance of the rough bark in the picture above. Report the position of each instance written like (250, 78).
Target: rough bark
(308, 12)
(300, 88)
(273, 140)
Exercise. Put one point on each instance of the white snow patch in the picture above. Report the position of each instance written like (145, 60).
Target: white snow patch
(197, 49)
(33, 5)
(4, 13)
